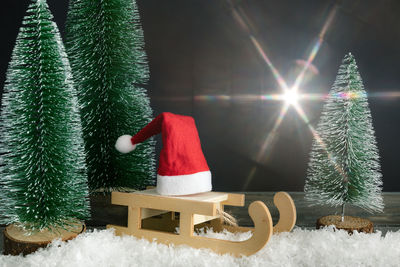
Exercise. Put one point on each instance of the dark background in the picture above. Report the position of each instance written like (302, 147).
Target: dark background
(197, 48)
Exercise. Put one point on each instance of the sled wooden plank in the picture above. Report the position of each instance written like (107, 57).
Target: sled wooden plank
(234, 200)
(231, 199)
(206, 196)
(198, 218)
(134, 220)
(165, 203)
(147, 213)
(186, 226)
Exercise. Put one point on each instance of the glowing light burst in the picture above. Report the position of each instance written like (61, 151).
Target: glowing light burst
(289, 95)
(281, 97)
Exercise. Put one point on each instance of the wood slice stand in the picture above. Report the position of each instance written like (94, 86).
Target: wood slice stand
(17, 240)
(155, 217)
(349, 224)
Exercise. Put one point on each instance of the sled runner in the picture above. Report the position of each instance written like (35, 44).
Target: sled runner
(154, 217)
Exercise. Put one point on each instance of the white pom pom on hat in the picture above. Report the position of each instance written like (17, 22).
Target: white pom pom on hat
(124, 144)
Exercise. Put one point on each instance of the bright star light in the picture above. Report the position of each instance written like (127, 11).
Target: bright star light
(291, 97)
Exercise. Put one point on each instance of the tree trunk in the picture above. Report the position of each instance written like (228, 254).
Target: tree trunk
(349, 223)
(16, 240)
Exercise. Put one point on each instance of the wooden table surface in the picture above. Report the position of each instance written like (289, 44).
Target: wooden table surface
(307, 215)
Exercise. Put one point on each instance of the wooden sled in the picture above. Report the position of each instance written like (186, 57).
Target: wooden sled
(154, 217)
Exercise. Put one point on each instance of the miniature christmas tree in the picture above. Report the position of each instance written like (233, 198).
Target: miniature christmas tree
(344, 162)
(105, 45)
(43, 183)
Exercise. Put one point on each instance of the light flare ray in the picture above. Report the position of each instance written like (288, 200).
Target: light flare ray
(268, 141)
(315, 49)
(243, 21)
(275, 72)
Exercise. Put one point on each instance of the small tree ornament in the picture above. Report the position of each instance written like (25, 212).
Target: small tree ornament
(344, 161)
(105, 46)
(43, 183)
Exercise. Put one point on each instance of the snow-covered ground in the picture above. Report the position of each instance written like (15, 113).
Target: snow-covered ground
(298, 248)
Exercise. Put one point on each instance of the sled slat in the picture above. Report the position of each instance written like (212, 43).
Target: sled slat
(198, 218)
(147, 213)
(165, 203)
(234, 200)
(206, 196)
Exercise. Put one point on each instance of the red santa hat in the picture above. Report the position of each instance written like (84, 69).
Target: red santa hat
(182, 169)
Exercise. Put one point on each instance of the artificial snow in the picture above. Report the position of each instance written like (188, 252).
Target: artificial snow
(325, 247)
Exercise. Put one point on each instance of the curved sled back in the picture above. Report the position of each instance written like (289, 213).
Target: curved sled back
(287, 212)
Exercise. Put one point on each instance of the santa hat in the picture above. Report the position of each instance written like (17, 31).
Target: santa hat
(182, 169)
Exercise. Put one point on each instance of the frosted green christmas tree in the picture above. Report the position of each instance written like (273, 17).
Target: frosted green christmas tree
(106, 47)
(43, 183)
(344, 162)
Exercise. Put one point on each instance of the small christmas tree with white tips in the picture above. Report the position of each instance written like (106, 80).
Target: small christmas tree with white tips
(344, 163)
(43, 180)
(105, 45)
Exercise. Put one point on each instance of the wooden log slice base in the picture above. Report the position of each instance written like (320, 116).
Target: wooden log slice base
(349, 224)
(17, 241)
